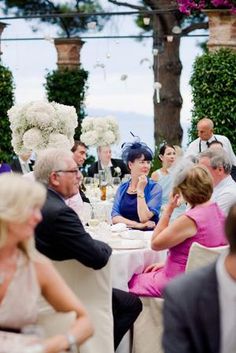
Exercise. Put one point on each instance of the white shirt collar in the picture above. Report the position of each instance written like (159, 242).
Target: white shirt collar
(225, 281)
(106, 166)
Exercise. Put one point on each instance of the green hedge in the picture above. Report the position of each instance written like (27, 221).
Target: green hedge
(213, 84)
(6, 102)
(68, 87)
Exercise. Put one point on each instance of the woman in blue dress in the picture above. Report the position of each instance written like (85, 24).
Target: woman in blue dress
(138, 201)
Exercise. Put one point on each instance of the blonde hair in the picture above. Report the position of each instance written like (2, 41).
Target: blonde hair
(17, 196)
(196, 186)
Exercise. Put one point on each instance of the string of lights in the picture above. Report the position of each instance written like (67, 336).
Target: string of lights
(98, 37)
(87, 14)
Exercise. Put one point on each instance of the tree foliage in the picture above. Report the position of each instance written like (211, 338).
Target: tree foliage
(68, 87)
(69, 26)
(6, 102)
(213, 84)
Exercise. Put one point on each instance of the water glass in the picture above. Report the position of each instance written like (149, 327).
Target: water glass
(116, 181)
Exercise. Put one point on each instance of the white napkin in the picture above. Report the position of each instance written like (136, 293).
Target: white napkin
(118, 227)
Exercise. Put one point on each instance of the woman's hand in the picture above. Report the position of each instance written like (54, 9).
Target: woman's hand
(153, 267)
(174, 201)
(148, 224)
(142, 182)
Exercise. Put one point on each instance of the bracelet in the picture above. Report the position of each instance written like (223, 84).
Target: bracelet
(141, 196)
(71, 343)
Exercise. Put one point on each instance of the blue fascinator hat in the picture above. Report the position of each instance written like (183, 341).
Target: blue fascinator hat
(136, 149)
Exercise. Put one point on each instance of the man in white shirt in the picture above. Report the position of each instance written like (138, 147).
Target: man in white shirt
(206, 135)
(218, 164)
(199, 307)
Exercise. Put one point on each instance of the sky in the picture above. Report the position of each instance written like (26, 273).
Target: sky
(123, 88)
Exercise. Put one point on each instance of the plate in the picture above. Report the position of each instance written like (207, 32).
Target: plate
(126, 244)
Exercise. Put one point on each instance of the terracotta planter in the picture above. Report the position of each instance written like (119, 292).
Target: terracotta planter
(68, 52)
(222, 29)
(2, 26)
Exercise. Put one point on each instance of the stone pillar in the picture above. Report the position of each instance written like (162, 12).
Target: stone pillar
(68, 52)
(222, 29)
(2, 26)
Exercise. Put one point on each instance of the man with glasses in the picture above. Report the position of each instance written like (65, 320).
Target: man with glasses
(61, 235)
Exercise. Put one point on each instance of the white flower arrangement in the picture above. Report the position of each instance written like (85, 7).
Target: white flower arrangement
(41, 124)
(100, 131)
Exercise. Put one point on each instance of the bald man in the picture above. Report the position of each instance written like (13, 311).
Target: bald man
(205, 130)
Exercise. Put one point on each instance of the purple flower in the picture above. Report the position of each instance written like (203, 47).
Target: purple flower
(188, 6)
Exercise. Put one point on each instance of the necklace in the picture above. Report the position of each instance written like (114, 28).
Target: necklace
(132, 191)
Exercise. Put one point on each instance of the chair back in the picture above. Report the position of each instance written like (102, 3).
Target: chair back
(200, 255)
(94, 289)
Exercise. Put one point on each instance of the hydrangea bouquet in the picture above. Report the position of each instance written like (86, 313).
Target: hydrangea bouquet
(41, 124)
(100, 131)
(187, 6)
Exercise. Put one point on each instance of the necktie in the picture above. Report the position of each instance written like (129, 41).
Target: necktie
(208, 144)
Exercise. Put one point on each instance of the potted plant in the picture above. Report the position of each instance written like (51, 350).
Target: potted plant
(222, 20)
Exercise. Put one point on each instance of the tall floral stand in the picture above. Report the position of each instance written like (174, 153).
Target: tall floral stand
(222, 29)
(68, 52)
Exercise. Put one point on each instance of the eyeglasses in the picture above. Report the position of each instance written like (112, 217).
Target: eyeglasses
(73, 171)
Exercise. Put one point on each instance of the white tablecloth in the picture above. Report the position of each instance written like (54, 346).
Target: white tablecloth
(127, 262)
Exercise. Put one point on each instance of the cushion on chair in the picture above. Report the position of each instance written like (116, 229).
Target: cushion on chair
(148, 327)
(200, 255)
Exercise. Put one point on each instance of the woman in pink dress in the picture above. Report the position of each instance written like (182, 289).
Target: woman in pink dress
(202, 223)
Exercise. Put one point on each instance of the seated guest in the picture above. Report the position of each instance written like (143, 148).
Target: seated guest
(25, 274)
(138, 201)
(22, 163)
(199, 307)
(215, 144)
(4, 167)
(61, 235)
(219, 145)
(202, 223)
(79, 150)
(164, 176)
(79, 202)
(218, 164)
(167, 156)
(113, 167)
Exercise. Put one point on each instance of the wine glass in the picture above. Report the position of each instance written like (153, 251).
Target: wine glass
(96, 180)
